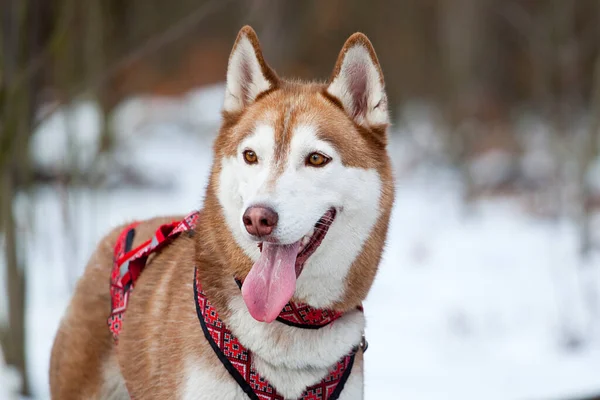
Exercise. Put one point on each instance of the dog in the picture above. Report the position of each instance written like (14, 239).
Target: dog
(257, 295)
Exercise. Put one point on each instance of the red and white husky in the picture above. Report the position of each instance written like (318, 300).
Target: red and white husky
(261, 298)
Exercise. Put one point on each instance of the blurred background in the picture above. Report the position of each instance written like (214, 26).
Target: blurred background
(490, 283)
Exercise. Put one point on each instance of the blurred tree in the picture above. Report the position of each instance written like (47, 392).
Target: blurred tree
(20, 48)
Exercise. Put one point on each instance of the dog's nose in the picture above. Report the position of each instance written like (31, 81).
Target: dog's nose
(260, 221)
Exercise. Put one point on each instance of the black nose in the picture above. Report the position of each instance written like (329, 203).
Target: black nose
(260, 221)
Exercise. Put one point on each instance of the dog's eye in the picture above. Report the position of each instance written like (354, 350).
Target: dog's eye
(317, 160)
(250, 157)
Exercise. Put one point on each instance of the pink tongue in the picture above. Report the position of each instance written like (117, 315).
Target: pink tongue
(272, 281)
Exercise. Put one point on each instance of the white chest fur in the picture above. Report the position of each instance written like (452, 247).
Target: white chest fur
(291, 359)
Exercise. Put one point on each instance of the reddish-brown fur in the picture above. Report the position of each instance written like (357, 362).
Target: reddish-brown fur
(160, 325)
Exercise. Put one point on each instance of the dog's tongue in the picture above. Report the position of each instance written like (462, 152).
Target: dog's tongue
(272, 281)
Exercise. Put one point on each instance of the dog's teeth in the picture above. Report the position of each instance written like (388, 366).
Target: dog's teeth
(303, 244)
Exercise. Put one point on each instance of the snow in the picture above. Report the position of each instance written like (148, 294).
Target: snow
(474, 307)
(492, 168)
(473, 302)
(68, 138)
(10, 381)
(538, 163)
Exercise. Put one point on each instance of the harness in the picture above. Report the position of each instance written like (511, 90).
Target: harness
(237, 360)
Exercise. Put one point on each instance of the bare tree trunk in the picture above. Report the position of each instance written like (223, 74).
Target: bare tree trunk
(462, 31)
(573, 149)
(590, 149)
(17, 90)
(13, 339)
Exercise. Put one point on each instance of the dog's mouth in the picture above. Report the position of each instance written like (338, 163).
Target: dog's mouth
(310, 242)
(271, 282)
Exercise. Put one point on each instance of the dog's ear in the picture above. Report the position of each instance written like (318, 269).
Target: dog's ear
(248, 74)
(357, 82)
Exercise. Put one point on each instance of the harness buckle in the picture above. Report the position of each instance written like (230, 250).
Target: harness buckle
(364, 345)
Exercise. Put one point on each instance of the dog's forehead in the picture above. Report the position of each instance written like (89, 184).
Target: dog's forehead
(289, 112)
(286, 111)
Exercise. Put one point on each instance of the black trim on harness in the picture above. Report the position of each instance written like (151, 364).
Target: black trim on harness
(129, 240)
(235, 373)
(226, 363)
(340, 386)
(126, 248)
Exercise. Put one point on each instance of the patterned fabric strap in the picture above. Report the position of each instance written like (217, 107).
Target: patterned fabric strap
(304, 316)
(128, 264)
(238, 360)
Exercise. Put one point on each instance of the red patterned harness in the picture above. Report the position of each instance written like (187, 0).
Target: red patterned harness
(128, 265)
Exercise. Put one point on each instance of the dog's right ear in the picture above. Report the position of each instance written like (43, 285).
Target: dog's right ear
(248, 74)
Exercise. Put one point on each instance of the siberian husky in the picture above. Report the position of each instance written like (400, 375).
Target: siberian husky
(258, 295)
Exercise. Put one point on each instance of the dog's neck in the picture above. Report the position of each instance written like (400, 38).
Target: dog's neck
(290, 358)
(293, 358)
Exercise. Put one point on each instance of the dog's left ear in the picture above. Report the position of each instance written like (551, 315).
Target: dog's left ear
(357, 81)
(248, 74)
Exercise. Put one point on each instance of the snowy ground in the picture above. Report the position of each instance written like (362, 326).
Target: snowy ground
(468, 304)
(10, 381)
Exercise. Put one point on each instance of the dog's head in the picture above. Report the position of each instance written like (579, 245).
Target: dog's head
(302, 178)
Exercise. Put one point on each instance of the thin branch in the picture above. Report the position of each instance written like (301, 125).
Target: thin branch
(152, 45)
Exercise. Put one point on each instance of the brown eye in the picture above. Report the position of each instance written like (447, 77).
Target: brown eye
(250, 157)
(317, 160)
